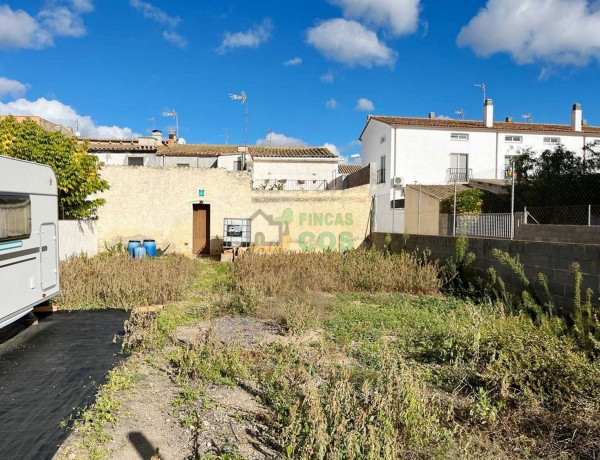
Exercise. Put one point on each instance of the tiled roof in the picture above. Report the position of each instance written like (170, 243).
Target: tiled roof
(117, 145)
(439, 191)
(197, 150)
(346, 168)
(262, 151)
(444, 123)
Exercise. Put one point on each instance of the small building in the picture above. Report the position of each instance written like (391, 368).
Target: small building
(422, 208)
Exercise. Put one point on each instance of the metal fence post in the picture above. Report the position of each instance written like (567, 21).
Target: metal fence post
(589, 215)
(454, 211)
(524, 214)
(512, 204)
(419, 213)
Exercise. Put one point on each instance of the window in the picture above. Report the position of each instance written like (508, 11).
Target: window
(135, 161)
(382, 139)
(15, 217)
(397, 204)
(459, 168)
(381, 172)
(459, 137)
(552, 140)
(183, 165)
(513, 138)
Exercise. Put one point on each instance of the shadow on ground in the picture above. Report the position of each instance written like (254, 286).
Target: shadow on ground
(47, 372)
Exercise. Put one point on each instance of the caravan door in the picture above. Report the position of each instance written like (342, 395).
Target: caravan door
(48, 256)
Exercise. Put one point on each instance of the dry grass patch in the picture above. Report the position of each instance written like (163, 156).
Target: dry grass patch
(116, 281)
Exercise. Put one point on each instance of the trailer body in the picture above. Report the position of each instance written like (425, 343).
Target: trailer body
(29, 270)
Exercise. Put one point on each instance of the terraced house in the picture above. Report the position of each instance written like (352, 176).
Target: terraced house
(434, 151)
(272, 168)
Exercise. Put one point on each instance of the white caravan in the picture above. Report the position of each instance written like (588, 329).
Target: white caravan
(28, 237)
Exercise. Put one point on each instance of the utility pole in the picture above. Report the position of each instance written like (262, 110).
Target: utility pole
(242, 97)
(512, 203)
(454, 210)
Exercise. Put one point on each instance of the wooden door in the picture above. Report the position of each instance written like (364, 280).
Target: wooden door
(201, 237)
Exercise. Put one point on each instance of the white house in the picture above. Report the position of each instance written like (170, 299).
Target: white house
(272, 168)
(432, 150)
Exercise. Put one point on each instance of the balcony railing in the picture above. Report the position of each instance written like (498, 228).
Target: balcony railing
(287, 184)
(458, 175)
(381, 176)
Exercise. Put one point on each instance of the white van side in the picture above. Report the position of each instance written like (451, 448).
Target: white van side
(28, 237)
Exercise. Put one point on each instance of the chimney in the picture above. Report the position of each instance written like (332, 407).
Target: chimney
(171, 138)
(509, 119)
(431, 114)
(488, 113)
(576, 121)
(157, 134)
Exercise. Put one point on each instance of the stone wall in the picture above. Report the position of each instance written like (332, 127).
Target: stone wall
(552, 259)
(157, 203)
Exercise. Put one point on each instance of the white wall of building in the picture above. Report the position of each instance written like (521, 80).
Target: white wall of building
(121, 158)
(229, 162)
(294, 169)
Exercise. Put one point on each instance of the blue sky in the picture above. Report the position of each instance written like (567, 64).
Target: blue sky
(312, 69)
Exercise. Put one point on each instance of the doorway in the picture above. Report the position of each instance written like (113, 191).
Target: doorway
(201, 237)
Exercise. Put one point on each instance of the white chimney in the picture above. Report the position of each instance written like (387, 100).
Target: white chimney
(576, 117)
(488, 113)
(431, 115)
(157, 134)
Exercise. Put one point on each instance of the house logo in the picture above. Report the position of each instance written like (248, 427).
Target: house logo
(276, 230)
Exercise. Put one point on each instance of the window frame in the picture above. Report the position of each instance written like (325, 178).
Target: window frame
(459, 137)
(25, 198)
(134, 158)
(512, 140)
(548, 140)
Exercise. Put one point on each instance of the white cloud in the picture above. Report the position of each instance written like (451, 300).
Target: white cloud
(364, 105)
(327, 77)
(398, 16)
(554, 31)
(443, 117)
(175, 39)
(13, 88)
(331, 104)
(280, 140)
(293, 61)
(332, 148)
(350, 43)
(65, 115)
(62, 21)
(18, 29)
(252, 38)
(155, 14)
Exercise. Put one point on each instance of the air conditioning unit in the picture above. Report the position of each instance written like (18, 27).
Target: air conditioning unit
(398, 181)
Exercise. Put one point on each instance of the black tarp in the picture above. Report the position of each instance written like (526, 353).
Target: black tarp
(48, 372)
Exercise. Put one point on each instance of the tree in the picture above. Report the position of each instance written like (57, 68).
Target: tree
(467, 202)
(77, 172)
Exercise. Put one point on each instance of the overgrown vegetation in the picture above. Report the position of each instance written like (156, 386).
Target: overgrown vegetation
(389, 356)
(114, 280)
(77, 173)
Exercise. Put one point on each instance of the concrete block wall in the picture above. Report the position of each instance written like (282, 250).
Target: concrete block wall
(570, 233)
(552, 259)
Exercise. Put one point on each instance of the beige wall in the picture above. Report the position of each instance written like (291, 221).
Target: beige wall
(423, 219)
(77, 237)
(157, 203)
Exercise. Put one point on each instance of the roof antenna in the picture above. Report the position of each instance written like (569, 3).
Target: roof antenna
(482, 86)
(461, 113)
(153, 123)
(226, 135)
(270, 136)
(528, 117)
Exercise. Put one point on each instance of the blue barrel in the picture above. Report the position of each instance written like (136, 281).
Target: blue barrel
(131, 247)
(150, 246)
(139, 252)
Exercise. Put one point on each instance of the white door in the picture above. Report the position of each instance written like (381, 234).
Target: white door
(48, 256)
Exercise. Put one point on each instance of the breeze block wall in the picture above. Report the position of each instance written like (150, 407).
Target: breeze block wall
(552, 259)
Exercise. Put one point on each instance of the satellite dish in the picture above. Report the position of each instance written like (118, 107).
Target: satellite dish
(181, 140)
(77, 134)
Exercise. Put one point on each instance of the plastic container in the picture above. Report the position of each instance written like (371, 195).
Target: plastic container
(139, 252)
(131, 247)
(150, 246)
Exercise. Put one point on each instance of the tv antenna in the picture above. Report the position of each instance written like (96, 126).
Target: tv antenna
(173, 114)
(152, 119)
(461, 113)
(483, 87)
(226, 134)
(270, 137)
(528, 117)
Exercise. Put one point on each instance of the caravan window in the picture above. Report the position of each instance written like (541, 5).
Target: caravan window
(15, 217)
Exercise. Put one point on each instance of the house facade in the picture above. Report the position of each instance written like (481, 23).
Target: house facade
(441, 151)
